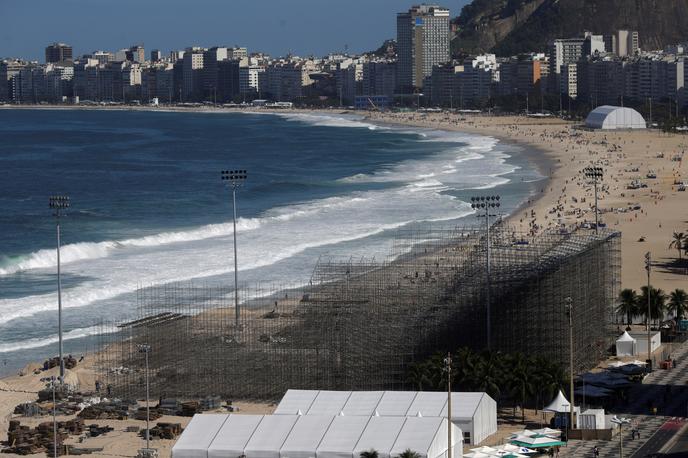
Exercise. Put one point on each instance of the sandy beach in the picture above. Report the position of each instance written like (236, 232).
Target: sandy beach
(568, 197)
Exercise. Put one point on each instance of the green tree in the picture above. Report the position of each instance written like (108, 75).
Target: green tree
(408, 453)
(372, 453)
(678, 241)
(520, 382)
(657, 303)
(549, 378)
(628, 305)
(488, 374)
(678, 303)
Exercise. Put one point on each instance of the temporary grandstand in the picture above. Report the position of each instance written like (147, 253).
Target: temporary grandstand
(360, 323)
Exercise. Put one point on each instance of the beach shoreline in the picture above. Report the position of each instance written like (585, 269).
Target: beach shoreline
(559, 151)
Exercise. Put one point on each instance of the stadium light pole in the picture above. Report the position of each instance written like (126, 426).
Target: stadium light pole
(52, 385)
(235, 178)
(568, 301)
(648, 268)
(487, 203)
(596, 173)
(448, 370)
(145, 349)
(59, 204)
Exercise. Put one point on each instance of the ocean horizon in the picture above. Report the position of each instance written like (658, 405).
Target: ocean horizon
(149, 208)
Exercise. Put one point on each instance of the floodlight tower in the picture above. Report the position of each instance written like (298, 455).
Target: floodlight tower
(596, 173)
(487, 203)
(59, 204)
(448, 370)
(145, 349)
(235, 178)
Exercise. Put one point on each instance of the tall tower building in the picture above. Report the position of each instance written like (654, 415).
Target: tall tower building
(58, 52)
(422, 42)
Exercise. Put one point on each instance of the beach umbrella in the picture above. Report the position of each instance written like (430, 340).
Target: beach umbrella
(537, 441)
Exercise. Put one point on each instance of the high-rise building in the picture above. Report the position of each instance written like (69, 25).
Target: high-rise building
(379, 78)
(58, 52)
(136, 54)
(4, 93)
(192, 88)
(422, 42)
(251, 80)
(211, 58)
(156, 55)
(562, 52)
(627, 43)
(227, 80)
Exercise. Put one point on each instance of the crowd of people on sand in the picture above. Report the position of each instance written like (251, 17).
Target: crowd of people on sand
(574, 203)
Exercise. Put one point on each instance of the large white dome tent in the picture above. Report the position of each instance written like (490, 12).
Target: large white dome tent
(608, 117)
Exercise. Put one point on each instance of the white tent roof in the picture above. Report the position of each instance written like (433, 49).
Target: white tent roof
(198, 436)
(625, 337)
(342, 436)
(269, 436)
(428, 404)
(295, 401)
(306, 436)
(329, 402)
(233, 436)
(395, 403)
(559, 405)
(362, 402)
(610, 117)
(380, 435)
(476, 413)
(418, 434)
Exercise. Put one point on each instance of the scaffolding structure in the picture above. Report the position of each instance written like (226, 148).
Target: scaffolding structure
(360, 323)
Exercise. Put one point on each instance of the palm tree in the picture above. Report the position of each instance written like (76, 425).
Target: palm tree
(408, 453)
(628, 305)
(372, 453)
(488, 374)
(520, 382)
(549, 378)
(678, 303)
(657, 303)
(678, 241)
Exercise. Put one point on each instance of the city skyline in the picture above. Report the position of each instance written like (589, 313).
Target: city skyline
(360, 26)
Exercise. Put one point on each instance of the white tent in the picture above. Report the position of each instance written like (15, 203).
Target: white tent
(341, 438)
(232, 437)
(267, 439)
(380, 435)
(198, 436)
(626, 345)
(329, 402)
(426, 436)
(362, 402)
(609, 117)
(306, 436)
(559, 405)
(296, 401)
(474, 413)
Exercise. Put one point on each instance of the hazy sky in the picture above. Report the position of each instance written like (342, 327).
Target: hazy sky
(273, 26)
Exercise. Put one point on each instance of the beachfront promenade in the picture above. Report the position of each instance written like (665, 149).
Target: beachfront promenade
(656, 431)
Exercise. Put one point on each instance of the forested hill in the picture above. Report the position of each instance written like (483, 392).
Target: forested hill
(508, 27)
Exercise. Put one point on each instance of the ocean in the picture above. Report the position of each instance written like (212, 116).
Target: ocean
(148, 206)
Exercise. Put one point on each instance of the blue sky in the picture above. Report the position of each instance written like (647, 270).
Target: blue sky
(274, 26)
